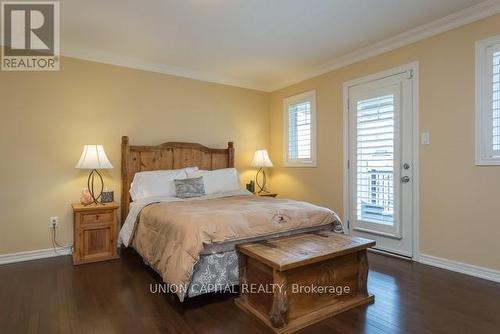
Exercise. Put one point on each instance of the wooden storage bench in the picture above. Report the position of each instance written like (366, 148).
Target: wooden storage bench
(292, 282)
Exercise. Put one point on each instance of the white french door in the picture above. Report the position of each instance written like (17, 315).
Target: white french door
(380, 161)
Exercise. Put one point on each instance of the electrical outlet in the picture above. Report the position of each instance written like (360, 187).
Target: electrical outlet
(53, 222)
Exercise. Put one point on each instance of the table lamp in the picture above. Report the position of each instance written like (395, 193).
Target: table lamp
(94, 158)
(261, 160)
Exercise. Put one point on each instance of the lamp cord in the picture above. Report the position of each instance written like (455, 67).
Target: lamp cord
(54, 241)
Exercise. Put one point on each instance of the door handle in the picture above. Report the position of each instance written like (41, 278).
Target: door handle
(405, 179)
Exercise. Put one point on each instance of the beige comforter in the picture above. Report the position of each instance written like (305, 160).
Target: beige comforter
(170, 236)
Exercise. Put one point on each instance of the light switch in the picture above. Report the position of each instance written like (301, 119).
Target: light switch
(426, 138)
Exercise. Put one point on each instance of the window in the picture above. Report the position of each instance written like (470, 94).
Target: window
(488, 101)
(375, 159)
(300, 130)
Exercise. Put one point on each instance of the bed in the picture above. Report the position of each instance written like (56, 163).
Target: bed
(191, 242)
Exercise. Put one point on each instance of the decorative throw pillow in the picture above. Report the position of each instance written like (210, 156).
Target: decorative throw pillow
(186, 188)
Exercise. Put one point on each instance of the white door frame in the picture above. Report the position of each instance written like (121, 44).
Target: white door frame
(416, 144)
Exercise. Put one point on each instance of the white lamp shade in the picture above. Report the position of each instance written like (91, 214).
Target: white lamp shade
(261, 159)
(93, 157)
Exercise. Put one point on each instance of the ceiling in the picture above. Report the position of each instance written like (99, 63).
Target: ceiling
(260, 44)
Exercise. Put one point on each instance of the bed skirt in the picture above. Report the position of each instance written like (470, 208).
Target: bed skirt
(216, 272)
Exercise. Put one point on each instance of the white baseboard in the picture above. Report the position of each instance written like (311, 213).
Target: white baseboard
(464, 268)
(459, 267)
(34, 255)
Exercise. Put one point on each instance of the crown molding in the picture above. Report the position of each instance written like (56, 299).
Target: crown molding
(447, 23)
(118, 60)
(455, 20)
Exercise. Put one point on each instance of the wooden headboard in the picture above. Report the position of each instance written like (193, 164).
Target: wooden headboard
(168, 156)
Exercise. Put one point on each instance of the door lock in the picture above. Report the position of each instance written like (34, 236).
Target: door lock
(406, 166)
(405, 179)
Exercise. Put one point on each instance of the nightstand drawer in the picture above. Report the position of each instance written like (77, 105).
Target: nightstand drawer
(96, 218)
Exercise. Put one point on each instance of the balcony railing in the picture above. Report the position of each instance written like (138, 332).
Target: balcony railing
(377, 202)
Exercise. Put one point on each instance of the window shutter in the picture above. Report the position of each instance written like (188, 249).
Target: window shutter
(299, 142)
(375, 159)
(488, 101)
(299, 115)
(496, 102)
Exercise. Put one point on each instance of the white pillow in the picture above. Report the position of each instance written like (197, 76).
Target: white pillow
(157, 182)
(219, 180)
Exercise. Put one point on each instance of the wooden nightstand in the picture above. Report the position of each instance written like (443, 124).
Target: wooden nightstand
(95, 230)
(267, 194)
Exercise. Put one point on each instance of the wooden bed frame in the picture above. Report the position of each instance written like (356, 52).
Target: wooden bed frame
(172, 155)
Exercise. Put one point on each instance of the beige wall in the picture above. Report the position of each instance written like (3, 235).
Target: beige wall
(46, 118)
(459, 201)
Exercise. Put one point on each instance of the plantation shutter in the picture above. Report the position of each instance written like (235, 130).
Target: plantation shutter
(375, 159)
(496, 102)
(299, 131)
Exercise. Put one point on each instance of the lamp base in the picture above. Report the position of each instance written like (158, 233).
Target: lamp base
(262, 187)
(90, 185)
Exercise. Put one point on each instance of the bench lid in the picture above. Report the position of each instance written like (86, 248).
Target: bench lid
(303, 249)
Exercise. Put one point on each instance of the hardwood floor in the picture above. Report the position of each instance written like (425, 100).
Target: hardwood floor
(53, 296)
